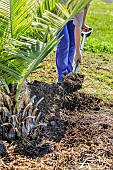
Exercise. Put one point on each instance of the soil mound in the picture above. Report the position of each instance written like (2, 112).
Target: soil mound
(79, 133)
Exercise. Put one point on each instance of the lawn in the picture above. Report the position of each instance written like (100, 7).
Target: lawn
(97, 63)
(100, 18)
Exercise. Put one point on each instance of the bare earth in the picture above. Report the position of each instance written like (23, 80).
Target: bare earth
(78, 135)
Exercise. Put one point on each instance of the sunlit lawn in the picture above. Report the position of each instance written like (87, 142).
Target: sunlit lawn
(100, 18)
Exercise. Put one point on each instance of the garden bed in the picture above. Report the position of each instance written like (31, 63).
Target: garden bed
(78, 135)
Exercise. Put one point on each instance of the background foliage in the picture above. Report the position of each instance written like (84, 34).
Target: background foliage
(100, 18)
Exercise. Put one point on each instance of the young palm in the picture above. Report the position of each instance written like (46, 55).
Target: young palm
(28, 33)
(20, 55)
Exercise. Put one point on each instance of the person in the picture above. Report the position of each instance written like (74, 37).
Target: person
(70, 40)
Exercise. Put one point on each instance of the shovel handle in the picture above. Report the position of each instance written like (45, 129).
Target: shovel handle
(84, 36)
(76, 67)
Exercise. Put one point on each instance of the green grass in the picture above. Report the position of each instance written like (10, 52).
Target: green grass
(100, 18)
(97, 63)
(98, 71)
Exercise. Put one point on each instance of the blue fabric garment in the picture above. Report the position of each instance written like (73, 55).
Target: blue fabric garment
(65, 50)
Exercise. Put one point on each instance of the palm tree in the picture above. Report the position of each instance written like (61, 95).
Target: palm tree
(19, 54)
(28, 33)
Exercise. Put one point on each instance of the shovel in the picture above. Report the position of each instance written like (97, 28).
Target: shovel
(84, 36)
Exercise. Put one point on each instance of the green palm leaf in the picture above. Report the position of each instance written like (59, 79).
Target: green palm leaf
(39, 55)
(16, 16)
(66, 13)
(59, 15)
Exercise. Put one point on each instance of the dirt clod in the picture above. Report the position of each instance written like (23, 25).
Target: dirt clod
(72, 82)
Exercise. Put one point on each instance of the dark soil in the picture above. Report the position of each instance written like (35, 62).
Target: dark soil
(72, 82)
(79, 133)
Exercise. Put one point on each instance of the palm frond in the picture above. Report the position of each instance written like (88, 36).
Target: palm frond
(61, 18)
(40, 54)
(16, 16)
(4, 17)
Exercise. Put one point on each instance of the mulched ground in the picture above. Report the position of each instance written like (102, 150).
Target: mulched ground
(79, 133)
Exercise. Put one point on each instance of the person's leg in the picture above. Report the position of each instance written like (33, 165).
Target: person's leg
(62, 53)
(71, 28)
